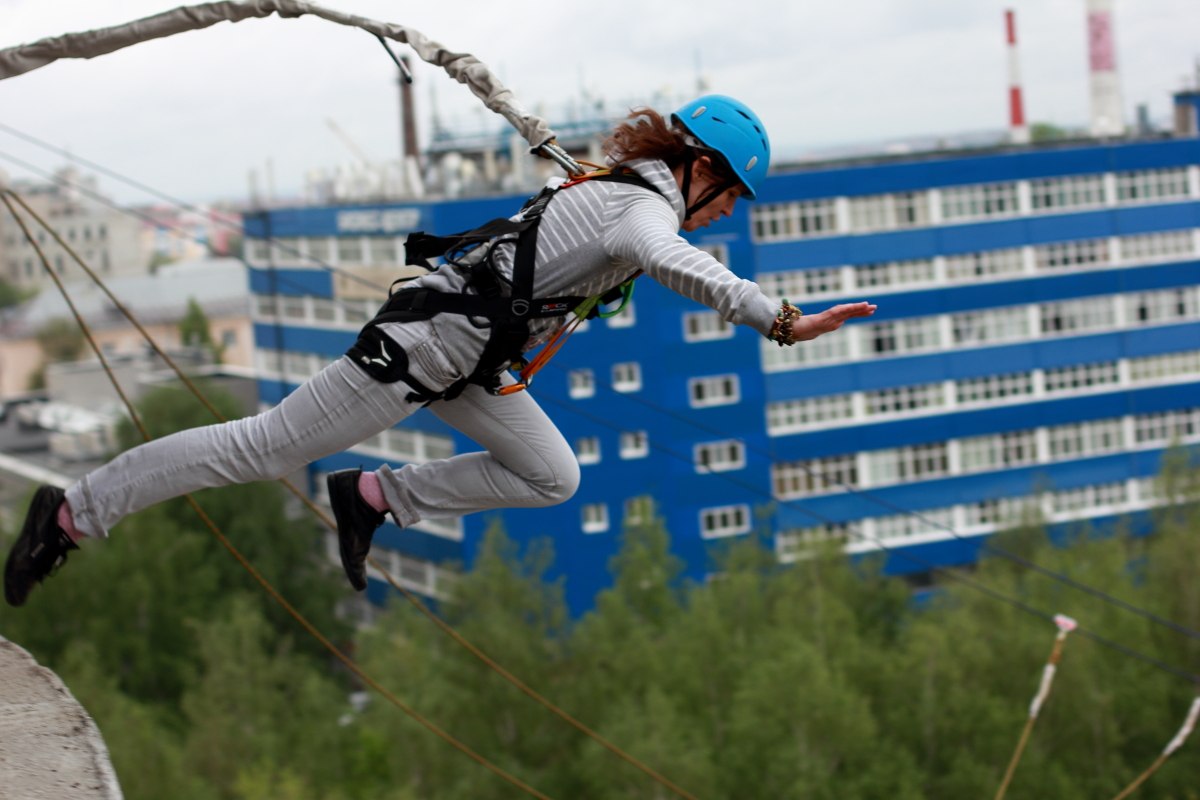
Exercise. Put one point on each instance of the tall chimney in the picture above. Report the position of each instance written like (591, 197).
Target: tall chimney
(408, 123)
(1107, 118)
(1018, 131)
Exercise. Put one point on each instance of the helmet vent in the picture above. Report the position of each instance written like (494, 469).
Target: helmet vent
(699, 111)
(750, 164)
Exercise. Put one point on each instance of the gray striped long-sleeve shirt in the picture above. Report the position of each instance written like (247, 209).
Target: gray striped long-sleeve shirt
(592, 237)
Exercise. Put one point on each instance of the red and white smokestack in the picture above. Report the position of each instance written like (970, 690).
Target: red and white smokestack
(1018, 131)
(1107, 116)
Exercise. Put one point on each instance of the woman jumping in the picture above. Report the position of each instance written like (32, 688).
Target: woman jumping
(446, 339)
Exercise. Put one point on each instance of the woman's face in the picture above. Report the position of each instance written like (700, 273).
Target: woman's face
(703, 182)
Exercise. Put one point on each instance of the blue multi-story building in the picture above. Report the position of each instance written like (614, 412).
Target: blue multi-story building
(1037, 344)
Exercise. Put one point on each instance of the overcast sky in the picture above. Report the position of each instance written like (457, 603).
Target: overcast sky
(192, 115)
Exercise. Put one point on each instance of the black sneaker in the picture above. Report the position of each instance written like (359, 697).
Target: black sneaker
(41, 547)
(356, 523)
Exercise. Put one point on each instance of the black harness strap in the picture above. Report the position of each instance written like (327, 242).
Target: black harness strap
(509, 315)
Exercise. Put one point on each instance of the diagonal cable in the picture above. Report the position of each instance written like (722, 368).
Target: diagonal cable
(412, 597)
(350, 664)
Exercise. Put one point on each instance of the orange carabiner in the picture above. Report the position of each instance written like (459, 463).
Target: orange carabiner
(504, 391)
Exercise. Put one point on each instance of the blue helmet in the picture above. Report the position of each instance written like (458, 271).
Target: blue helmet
(727, 126)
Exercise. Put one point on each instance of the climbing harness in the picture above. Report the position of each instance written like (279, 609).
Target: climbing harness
(508, 314)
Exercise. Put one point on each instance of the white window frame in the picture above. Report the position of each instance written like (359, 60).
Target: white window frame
(721, 521)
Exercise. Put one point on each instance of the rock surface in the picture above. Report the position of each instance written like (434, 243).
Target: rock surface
(49, 746)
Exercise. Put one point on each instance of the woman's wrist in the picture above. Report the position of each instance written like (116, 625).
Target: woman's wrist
(782, 332)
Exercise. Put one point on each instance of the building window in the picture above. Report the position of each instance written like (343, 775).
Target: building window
(883, 212)
(581, 383)
(987, 327)
(724, 521)
(792, 543)
(1157, 246)
(985, 264)
(1084, 254)
(792, 479)
(979, 201)
(1142, 186)
(823, 350)
(777, 222)
(714, 390)
(1079, 440)
(995, 512)
(929, 522)
(1168, 305)
(894, 273)
(800, 283)
(1074, 191)
(349, 250)
(904, 399)
(902, 336)
(383, 251)
(1081, 376)
(998, 451)
(918, 462)
(259, 251)
(723, 456)
(1168, 366)
(627, 376)
(317, 249)
(703, 326)
(1166, 427)
(595, 517)
(1078, 316)
(1088, 499)
(788, 416)
(587, 450)
(634, 444)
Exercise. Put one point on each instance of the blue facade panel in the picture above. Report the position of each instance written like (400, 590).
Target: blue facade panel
(662, 407)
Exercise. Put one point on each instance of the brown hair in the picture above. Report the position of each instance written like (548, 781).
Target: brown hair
(647, 134)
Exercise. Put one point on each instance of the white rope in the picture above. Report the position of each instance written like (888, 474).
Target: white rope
(463, 67)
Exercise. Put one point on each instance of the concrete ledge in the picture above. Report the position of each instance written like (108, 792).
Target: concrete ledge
(49, 746)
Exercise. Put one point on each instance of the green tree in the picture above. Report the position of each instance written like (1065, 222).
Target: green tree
(60, 339)
(194, 330)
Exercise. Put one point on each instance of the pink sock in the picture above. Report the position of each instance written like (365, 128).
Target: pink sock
(370, 491)
(67, 524)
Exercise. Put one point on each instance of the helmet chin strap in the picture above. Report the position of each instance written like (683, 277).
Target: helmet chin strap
(689, 159)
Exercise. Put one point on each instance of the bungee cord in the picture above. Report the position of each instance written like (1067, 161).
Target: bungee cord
(462, 67)
(1185, 730)
(1065, 625)
(409, 595)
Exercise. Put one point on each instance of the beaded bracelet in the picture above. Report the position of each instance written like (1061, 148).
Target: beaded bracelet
(781, 330)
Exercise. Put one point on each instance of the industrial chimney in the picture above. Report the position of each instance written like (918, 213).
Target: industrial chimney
(1107, 119)
(1018, 131)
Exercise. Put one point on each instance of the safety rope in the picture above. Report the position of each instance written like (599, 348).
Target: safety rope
(1185, 730)
(316, 510)
(334, 650)
(1065, 625)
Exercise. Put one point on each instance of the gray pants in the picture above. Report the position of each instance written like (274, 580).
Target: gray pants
(527, 462)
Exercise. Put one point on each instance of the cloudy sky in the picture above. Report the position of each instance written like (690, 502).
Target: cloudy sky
(194, 114)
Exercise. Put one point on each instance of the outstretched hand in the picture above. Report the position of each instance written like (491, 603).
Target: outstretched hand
(810, 326)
